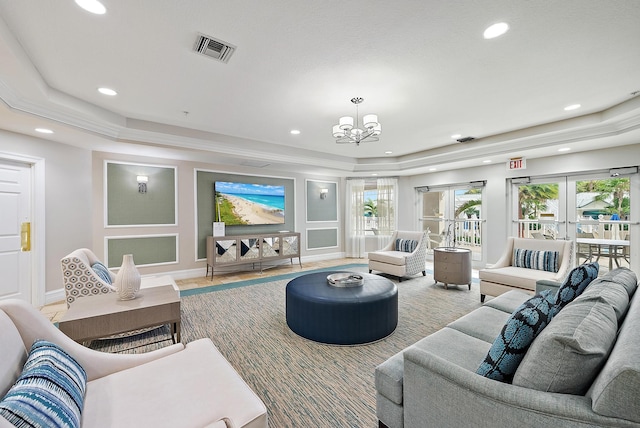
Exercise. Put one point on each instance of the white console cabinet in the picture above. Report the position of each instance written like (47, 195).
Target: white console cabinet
(256, 249)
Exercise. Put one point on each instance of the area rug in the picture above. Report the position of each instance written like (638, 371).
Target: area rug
(303, 383)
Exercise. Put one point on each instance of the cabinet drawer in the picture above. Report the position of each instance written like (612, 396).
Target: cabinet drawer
(448, 267)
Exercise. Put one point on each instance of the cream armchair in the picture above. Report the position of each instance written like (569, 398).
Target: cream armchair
(80, 278)
(404, 255)
(506, 274)
(190, 385)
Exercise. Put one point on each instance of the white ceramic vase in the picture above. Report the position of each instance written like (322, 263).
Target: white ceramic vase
(127, 279)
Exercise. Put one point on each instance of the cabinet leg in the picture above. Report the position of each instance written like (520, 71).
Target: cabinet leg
(469, 286)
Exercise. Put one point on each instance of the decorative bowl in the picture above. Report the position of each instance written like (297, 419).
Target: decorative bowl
(345, 279)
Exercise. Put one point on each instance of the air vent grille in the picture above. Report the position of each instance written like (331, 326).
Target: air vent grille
(465, 139)
(214, 48)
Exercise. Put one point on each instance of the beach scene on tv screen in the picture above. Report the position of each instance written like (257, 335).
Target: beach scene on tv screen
(245, 203)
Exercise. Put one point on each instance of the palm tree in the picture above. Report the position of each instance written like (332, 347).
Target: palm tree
(371, 208)
(533, 198)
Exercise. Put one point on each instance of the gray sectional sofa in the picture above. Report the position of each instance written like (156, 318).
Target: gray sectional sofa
(582, 370)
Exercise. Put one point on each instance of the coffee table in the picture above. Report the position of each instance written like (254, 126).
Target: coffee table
(335, 315)
(103, 315)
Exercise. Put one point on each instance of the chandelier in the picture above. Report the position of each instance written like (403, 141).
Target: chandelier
(346, 132)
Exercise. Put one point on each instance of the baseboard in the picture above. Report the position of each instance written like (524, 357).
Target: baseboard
(54, 296)
(58, 295)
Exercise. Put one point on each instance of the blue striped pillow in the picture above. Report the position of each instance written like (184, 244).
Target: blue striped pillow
(406, 245)
(49, 392)
(102, 271)
(533, 259)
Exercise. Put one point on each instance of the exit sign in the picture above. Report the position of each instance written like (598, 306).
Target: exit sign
(517, 163)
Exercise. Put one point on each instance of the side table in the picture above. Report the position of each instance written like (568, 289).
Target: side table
(103, 315)
(452, 266)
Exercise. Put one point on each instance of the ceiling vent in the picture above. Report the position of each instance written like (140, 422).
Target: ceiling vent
(465, 139)
(214, 48)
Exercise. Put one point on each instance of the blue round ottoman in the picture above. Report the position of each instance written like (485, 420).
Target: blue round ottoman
(341, 315)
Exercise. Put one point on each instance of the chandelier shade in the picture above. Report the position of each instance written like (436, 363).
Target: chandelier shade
(349, 131)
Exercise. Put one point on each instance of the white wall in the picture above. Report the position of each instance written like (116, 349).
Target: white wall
(67, 197)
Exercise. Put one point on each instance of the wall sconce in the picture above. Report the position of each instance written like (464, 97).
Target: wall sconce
(142, 183)
(324, 193)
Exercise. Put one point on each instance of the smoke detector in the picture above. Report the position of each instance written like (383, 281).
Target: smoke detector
(214, 48)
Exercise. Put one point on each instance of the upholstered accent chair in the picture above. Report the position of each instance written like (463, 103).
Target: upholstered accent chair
(84, 274)
(404, 255)
(523, 263)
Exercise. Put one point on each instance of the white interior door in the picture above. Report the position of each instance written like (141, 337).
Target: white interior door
(15, 213)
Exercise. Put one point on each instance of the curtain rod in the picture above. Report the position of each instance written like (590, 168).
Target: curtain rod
(371, 178)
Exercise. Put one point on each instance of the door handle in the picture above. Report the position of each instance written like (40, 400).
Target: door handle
(25, 236)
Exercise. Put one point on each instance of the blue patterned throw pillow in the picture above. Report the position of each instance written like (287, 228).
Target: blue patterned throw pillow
(102, 272)
(49, 392)
(524, 324)
(406, 245)
(575, 283)
(533, 259)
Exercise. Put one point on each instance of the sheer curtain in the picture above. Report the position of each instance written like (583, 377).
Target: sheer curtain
(354, 221)
(387, 208)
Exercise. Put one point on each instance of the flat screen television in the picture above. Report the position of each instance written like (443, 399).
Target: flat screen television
(246, 203)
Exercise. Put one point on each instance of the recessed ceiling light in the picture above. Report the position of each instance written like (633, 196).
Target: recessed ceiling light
(486, 161)
(456, 136)
(295, 132)
(44, 131)
(388, 152)
(564, 149)
(433, 169)
(496, 30)
(572, 107)
(93, 6)
(107, 91)
(374, 173)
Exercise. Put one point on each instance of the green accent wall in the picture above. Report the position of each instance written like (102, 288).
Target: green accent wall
(205, 206)
(322, 209)
(322, 238)
(146, 250)
(127, 206)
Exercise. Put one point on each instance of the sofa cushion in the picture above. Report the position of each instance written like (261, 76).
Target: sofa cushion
(509, 301)
(515, 277)
(534, 259)
(509, 348)
(568, 354)
(452, 345)
(49, 392)
(397, 258)
(485, 323)
(102, 272)
(406, 245)
(575, 283)
(622, 276)
(615, 390)
(610, 292)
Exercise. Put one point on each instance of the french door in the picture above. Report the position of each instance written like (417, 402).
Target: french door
(453, 215)
(598, 211)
